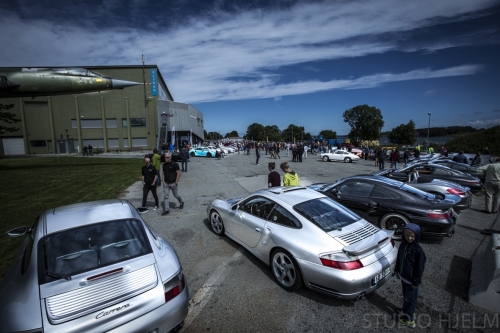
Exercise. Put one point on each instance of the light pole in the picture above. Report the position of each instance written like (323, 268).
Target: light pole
(428, 127)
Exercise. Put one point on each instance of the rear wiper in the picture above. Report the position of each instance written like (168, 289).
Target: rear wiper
(58, 276)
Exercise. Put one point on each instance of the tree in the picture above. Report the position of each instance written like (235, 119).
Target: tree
(273, 133)
(255, 132)
(328, 134)
(366, 122)
(232, 134)
(293, 133)
(7, 117)
(403, 134)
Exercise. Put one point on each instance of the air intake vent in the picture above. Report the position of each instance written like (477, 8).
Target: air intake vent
(355, 236)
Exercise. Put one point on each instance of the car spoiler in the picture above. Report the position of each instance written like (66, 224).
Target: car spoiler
(369, 243)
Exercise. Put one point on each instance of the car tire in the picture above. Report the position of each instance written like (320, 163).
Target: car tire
(192, 154)
(394, 221)
(209, 155)
(347, 160)
(216, 223)
(285, 270)
(325, 158)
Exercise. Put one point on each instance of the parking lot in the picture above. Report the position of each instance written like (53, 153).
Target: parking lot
(232, 291)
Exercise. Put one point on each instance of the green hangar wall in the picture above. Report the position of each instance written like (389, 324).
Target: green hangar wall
(140, 117)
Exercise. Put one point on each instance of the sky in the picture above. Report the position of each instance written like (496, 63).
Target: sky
(280, 62)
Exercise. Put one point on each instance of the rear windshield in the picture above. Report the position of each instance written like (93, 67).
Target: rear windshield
(326, 214)
(417, 192)
(85, 248)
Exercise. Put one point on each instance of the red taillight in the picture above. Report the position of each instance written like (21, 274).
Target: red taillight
(174, 287)
(438, 214)
(455, 191)
(344, 265)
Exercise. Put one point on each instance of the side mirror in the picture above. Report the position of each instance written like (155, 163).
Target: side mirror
(235, 207)
(335, 192)
(374, 204)
(18, 232)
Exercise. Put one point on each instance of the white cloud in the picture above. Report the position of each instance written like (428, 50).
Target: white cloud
(236, 56)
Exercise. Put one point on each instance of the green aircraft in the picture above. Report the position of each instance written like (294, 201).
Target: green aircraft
(33, 82)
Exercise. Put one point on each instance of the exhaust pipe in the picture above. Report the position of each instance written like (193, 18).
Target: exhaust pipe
(361, 296)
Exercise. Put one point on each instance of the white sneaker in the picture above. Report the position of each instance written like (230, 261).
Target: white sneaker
(156, 207)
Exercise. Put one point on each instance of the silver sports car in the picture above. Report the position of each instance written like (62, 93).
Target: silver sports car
(307, 238)
(93, 267)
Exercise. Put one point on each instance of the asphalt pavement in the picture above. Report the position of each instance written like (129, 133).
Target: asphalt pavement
(232, 291)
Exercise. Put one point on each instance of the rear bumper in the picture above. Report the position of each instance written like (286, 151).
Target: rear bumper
(165, 318)
(347, 284)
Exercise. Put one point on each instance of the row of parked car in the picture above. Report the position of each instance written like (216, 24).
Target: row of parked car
(94, 267)
(339, 238)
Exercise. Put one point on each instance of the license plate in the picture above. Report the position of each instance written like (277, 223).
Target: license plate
(380, 276)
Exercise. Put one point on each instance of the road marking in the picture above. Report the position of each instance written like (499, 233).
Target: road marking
(201, 298)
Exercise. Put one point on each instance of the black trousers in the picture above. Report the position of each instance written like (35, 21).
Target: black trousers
(145, 191)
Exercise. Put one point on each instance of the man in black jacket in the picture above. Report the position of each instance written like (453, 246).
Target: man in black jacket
(410, 266)
(149, 176)
(184, 159)
(170, 180)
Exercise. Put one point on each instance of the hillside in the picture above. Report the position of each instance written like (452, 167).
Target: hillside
(477, 141)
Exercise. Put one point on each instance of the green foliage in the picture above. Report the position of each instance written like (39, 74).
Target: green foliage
(255, 132)
(59, 181)
(477, 141)
(444, 131)
(366, 123)
(293, 133)
(232, 134)
(213, 136)
(328, 134)
(7, 117)
(403, 134)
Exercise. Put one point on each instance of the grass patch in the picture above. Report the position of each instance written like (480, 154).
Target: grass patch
(32, 185)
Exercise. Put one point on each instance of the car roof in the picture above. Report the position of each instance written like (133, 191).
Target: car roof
(377, 179)
(75, 215)
(291, 195)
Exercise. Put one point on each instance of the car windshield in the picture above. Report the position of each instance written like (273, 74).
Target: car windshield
(326, 214)
(84, 248)
(417, 192)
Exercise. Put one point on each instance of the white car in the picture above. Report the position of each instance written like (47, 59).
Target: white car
(223, 149)
(339, 155)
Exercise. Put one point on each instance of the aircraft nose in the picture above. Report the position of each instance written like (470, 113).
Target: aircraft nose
(120, 84)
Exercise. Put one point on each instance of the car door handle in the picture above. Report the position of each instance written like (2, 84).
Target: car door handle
(258, 229)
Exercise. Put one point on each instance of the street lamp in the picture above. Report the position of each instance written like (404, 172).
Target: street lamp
(428, 127)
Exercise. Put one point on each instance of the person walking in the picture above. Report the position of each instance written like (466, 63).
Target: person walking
(291, 178)
(156, 162)
(277, 151)
(410, 265)
(381, 159)
(184, 159)
(491, 186)
(406, 156)
(394, 159)
(91, 150)
(305, 151)
(273, 178)
(170, 180)
(149, 176)
(461, 158)
(300, 152)
(85, 151)
(257, 155)
(477, 161)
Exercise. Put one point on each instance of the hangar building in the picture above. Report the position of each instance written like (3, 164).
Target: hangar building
(140, 117)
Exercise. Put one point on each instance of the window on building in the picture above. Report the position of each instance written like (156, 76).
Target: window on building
(87, 123)
(38, 143)
(113, 143)
(134, 122)
(111, 123)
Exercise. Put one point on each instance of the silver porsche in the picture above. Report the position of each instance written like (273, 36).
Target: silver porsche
(93, 267)
(308, 239)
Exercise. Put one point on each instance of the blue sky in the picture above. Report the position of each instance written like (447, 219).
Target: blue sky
(282, 62)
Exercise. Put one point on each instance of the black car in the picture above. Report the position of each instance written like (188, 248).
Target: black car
(429, 171)
(391, 204)
(457, 166)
